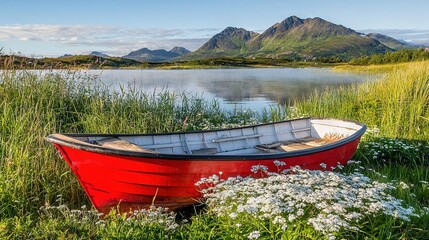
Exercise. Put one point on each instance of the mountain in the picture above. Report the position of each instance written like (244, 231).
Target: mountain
(159, 55)
(278, 30)
(314, 38)
(231, 41)
(389, 41)
(293, 38)
(66, 55)
(99, 54)
(230, 38)
(180, 50)
(147, 55)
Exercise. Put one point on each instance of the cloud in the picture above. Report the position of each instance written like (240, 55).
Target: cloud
(113, 40)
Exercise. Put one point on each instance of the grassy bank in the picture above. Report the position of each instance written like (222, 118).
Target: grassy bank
(40, 198)
(376, 68)
(35, 106)
(397, 103)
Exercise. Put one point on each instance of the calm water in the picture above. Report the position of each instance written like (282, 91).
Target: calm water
(247, 88)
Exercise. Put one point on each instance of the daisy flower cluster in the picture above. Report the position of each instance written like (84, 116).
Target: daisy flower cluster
(328, 201)
(144, 217)
(394, 150)
(82, 215)
(154, 215)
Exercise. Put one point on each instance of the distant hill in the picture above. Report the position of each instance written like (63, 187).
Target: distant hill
(293, 38)
(99, 54)
(159, 55)
(180, 50)
(67, 62)
(66, 55)
(389, 41)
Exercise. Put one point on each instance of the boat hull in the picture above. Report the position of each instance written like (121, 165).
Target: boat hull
(127, 182)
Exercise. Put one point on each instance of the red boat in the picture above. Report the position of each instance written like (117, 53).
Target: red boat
(132, 171)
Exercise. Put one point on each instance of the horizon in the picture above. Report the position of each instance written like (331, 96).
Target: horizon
(43, 29)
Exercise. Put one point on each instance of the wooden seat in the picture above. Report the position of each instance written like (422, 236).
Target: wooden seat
(293, 145)
(120, 144)
(204, 151)
(267, 150)
(315, 142)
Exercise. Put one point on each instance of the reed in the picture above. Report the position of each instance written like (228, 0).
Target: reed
(40, 198)
(374, 68)
(35, 104)
(397, 103)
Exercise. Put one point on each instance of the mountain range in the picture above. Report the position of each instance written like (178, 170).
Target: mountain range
(293, 38)
(159, 55)
(389, 41)
(298, 39)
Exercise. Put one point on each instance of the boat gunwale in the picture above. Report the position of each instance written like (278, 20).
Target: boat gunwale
(82, 145)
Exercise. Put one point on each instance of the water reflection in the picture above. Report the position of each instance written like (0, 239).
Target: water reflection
(248, 88)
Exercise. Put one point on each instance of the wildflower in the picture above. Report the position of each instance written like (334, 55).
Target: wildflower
(254, 235)
(425, 210)
(351, 161)
(339, 200)
(259, 168)
(403, 185)
(279, 220)
(101, 223)
(279, 163)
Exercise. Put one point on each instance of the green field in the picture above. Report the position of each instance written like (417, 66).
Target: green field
(383, 194)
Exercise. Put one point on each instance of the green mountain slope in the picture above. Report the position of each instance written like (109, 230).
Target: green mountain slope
(293, 38)
(389, 42)
(230, 42)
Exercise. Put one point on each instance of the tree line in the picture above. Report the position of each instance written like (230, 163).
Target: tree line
(404, 55)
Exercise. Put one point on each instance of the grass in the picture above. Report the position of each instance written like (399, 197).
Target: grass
(35, 106)
(40, 198)
(397, 103)
(374, 69)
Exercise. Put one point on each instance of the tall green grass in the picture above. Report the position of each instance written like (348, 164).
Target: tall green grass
(34, 105)
(33, 178)
(397, 103)
(396, 109)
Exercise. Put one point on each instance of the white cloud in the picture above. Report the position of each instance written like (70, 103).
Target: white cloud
(113, 40)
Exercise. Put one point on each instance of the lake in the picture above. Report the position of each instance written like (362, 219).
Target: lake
(252, 89)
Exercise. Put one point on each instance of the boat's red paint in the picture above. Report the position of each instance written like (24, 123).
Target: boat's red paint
(136, 182)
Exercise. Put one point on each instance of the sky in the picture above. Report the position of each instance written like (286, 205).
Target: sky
(45, 28)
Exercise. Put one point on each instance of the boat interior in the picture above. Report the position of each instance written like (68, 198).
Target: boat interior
(277, 137)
